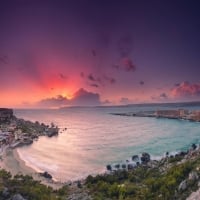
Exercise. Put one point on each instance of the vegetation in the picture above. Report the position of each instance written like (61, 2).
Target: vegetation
(28, 188)
(146, 183)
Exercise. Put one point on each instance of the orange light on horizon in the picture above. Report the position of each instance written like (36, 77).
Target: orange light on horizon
(67, 95)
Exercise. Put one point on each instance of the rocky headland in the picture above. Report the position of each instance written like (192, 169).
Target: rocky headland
(15, 132)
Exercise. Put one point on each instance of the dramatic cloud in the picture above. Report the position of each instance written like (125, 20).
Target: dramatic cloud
(83, 97)
(186, 89)
(80, 98)
(53, 102)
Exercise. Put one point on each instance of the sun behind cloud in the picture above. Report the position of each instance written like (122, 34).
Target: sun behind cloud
(67, 95)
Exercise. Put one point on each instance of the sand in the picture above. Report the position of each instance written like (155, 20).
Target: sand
(11, 162)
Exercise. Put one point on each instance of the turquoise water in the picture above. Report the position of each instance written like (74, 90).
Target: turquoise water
(95, 138)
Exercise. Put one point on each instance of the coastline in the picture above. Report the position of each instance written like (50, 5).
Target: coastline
(12, 162)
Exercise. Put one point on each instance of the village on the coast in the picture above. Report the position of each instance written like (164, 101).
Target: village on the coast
(182, 114)
(16, 132)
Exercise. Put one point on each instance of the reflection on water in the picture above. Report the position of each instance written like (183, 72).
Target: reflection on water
(95, 138)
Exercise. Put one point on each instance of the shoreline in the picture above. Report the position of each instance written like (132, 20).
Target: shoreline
(12, 162)
(15, 133)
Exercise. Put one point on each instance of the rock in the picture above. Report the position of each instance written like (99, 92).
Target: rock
(5, 192)
(18, 197)
(79, 185)
(135, 158)
(193, 176)
(117, 166)
(145, 158)
(194, 195)
(182, 153)
(123, 166)
(108, 167)
(46, 175)
(153, 163)
(182, 186)
(52, 131)
(130, 166)
(177, 155)
(194, 146)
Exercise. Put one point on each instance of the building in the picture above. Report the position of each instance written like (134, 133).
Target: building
(195, 115)
(181, 113)
(167, 113)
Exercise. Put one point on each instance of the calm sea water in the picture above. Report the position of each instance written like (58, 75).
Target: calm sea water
(94, 138)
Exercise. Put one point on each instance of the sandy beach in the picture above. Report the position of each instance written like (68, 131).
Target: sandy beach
(11, 162)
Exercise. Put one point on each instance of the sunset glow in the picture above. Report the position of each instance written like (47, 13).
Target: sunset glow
(46, 51)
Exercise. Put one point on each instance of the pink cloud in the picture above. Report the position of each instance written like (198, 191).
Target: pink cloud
(186, 89)
(128, 64)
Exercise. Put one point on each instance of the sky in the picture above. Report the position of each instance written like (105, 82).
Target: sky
(95, 52)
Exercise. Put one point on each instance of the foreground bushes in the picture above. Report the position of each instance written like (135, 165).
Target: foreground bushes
(28, 188)
(143, 183)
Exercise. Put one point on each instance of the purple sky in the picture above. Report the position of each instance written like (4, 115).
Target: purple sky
(98, 52)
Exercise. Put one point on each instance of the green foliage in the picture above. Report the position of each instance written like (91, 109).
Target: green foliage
(63, 191)
(175, 159)
(142, 183)
(29, 188)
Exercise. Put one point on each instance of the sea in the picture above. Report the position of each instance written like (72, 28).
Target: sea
(94, 138)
